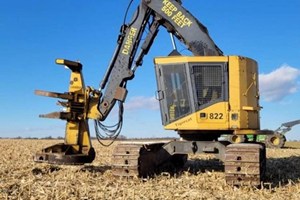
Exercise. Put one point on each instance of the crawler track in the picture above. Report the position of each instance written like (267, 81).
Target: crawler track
(245, 164)
(137, 159)
(125, 160)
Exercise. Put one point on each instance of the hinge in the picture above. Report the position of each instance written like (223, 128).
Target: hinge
(159, 95)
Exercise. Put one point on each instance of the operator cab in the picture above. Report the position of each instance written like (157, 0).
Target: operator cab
(188, 84)
(205, 95)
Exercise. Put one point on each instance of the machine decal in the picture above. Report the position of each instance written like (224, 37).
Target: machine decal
(129, 41)
(177, 17)
(215, 115)
(183, 122)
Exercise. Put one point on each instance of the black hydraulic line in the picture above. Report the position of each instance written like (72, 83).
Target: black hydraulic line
(147, 44)
(110, 132)
(126, 12)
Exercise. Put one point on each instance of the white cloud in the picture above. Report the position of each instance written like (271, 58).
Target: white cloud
(279, 83)
(141, 102)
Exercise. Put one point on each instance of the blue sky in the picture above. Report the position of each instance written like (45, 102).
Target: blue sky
(34, 33)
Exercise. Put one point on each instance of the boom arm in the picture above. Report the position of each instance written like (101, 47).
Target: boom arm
(167, 13)
(286, 127)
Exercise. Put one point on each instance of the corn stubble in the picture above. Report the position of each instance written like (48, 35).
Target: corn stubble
(202, 177)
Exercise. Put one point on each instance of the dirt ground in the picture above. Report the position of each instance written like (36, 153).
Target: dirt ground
(203, 177)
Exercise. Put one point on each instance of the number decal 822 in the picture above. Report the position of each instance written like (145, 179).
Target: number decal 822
(215, 115)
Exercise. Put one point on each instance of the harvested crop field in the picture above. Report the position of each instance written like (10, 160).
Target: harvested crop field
(202, 178)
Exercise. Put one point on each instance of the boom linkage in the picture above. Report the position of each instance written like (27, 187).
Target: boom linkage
(167, 13)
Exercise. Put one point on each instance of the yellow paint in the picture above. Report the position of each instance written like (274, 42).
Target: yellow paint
(250, 108)
(176, 16)
(240, 113)
(243, 93)
(60, 61)
(77, 132)
(181, 20)
(168, 8)
(216, 119)
(189, 59)
(129, 41)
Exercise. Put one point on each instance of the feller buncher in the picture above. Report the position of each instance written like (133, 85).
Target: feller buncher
(201, 97)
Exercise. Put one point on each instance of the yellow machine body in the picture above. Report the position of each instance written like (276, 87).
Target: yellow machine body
(237, 111)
